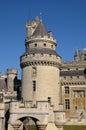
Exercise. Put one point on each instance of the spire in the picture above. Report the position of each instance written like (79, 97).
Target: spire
(77, 55)
(37, 19)
(77, 52)
(40, 30)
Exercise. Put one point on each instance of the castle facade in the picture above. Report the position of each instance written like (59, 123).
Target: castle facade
(51, 93)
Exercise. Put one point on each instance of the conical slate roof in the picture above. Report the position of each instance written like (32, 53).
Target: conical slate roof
(40, 30)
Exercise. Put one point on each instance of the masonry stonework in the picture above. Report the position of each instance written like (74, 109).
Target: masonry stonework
(51, 93)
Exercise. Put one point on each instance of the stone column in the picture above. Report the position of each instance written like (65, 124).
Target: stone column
(11, 74)
(41, 127)
(10, 127)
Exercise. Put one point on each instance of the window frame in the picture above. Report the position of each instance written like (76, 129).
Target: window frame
(67, 104)
(67, 90)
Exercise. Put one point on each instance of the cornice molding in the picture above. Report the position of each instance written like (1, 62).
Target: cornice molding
(36, 39)
(34, 63)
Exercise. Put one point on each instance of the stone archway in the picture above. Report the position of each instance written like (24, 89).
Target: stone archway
(29, 123)
(19, 114)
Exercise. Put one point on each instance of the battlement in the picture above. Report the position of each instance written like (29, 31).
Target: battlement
(40, 105)
(12, 71)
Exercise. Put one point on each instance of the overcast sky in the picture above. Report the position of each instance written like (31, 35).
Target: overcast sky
(65, 18)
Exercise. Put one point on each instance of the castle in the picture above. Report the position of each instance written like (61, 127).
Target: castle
(51, 93)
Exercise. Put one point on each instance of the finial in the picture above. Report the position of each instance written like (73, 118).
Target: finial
(37, 19)
(40, 16)
(77, 53)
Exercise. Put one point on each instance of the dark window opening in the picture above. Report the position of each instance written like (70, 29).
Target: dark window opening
(51, 46)
(85, 71)
(33, 54)
(34, 85)
(75, 107)
(35, 44)
(49, 99)
(64, 77)
(44, 44)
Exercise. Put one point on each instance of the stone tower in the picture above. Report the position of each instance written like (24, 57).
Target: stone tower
(40, 65)
(40, 82)
(11, 74)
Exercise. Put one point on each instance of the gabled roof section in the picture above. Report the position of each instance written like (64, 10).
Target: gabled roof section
(40, 30)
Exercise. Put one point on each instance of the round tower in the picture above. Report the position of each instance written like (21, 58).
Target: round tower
(40, 65)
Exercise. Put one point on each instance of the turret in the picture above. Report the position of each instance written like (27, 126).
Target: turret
(83, 54)
(11, 74)
(80, 55)
(31, 26)
(77, 55)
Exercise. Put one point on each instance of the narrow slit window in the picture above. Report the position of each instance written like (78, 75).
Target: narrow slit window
(34, 85)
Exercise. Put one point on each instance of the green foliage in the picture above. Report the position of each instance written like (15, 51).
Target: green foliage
(32, 127)
(74, 127)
